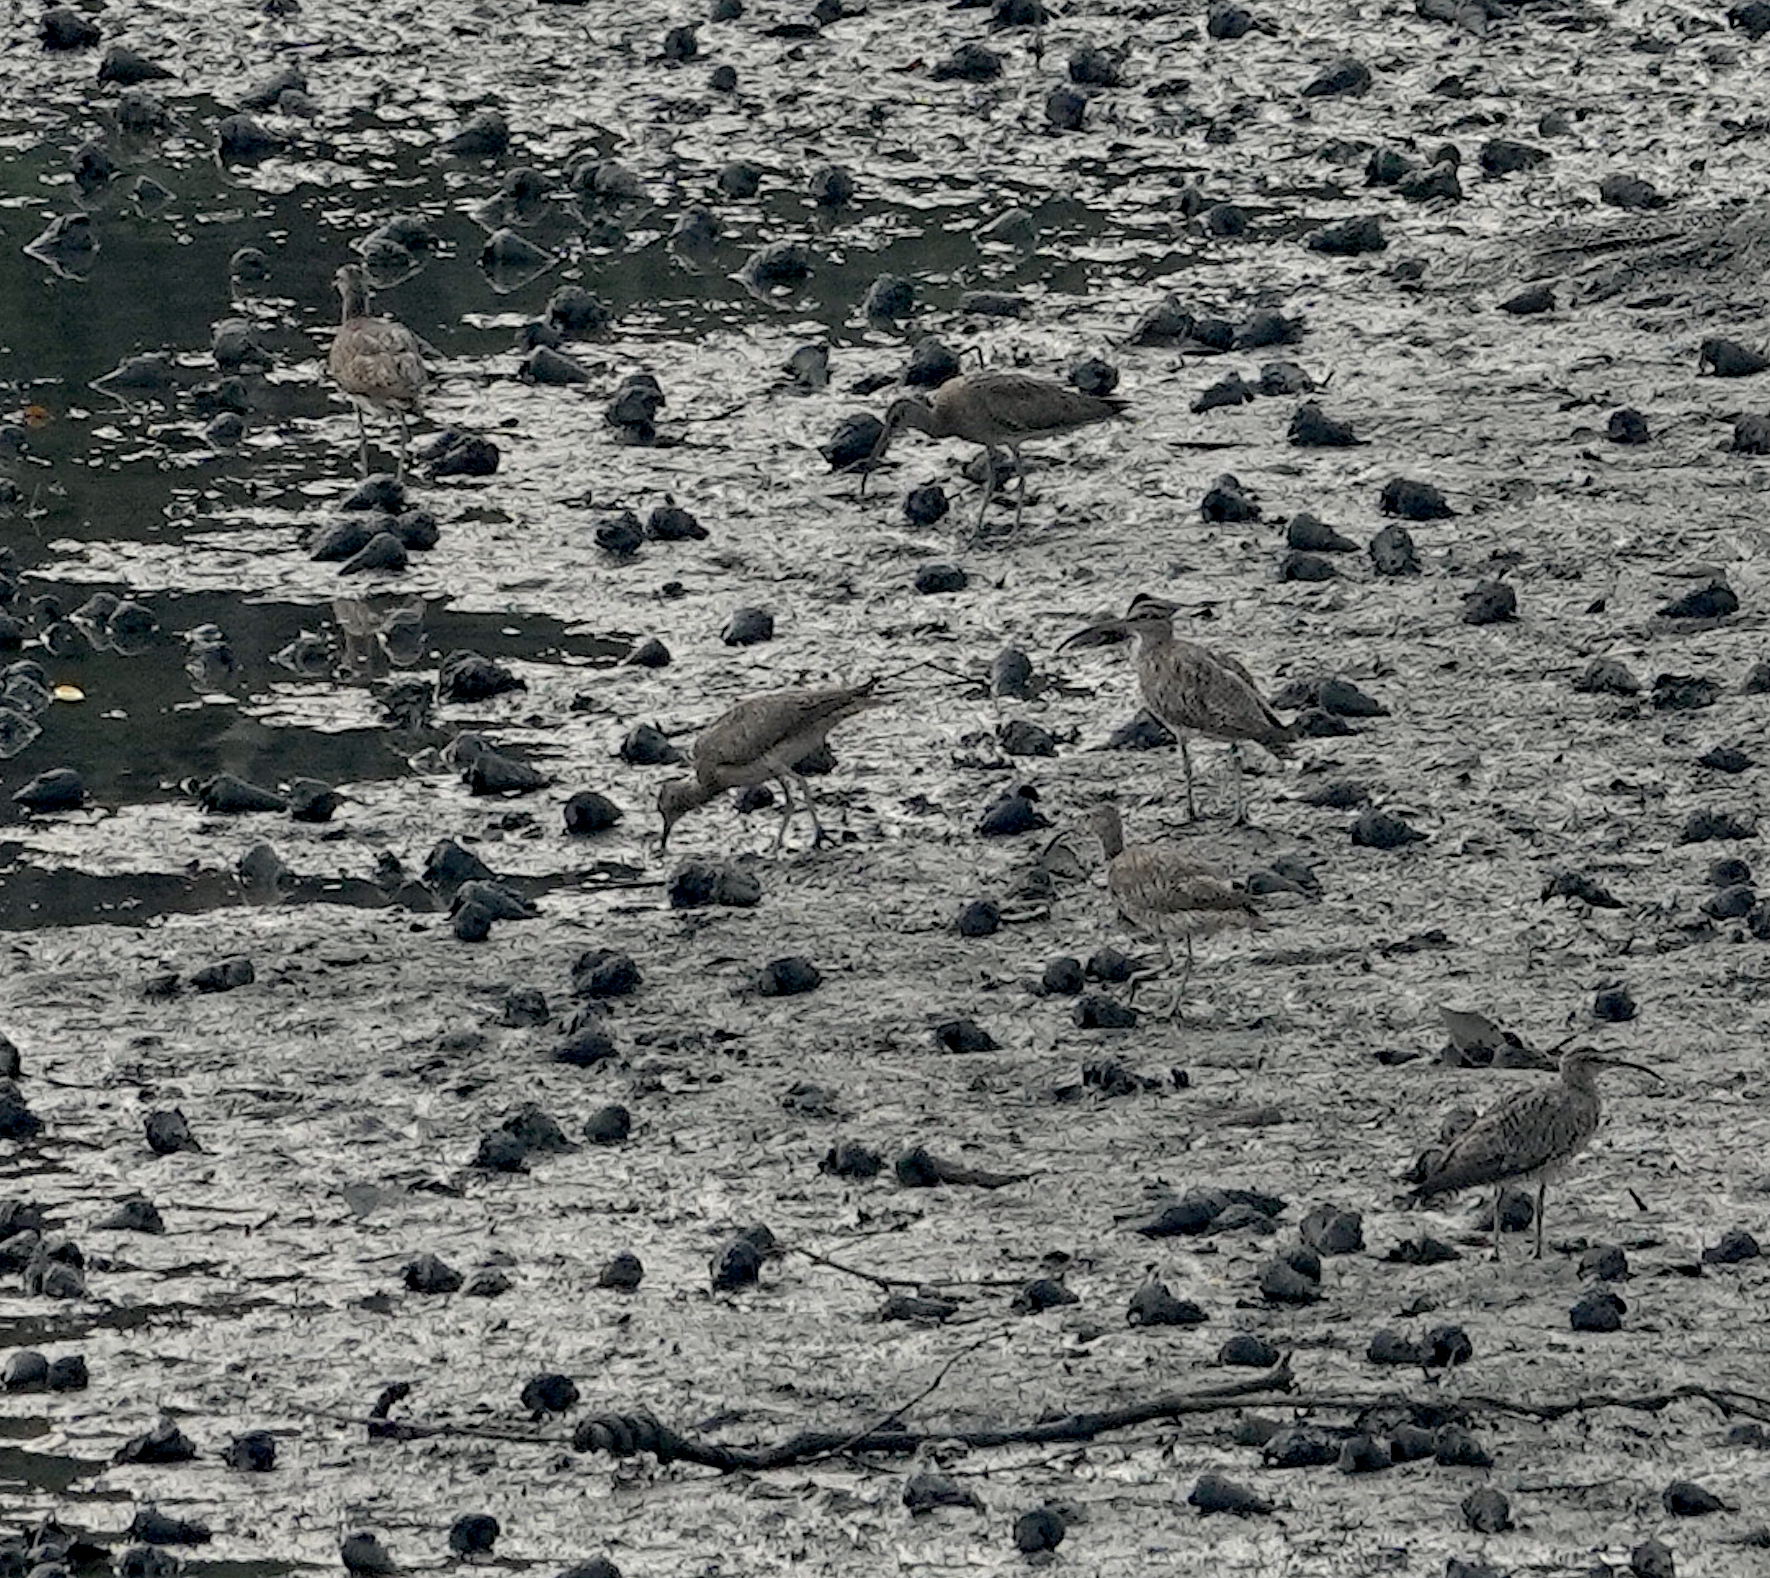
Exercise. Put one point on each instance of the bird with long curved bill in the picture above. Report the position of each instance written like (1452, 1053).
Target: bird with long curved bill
(1192, 689)
(1533, 1134)
(997, 410)
(377, 362)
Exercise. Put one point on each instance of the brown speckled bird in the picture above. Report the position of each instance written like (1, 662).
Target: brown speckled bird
(1533, 1134)
(1192, 689)
(998, 410)
(1166, 893)
(762, 739)
(377, 362)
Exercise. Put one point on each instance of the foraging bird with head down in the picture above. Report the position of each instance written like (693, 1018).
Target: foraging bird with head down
(762, 739)
(1192, 689)
(377, 362)
(1533, 1134)
(998, 410)
(1164, 892)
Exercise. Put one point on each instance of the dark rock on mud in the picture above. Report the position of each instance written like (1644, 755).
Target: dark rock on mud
(1490, 603)
(1627, 426)
(1042, 1529)
(1714, 601)
(1300, 1446)
(1214, 1492)
(1684, 1498)
(474, 1534)
(603, 973)
(1307, 534)
(963, 1035)
(1729, 359)
(1604, 1263)
(1414, 500)
(937, 579)
(1349, 237)
(1392, 552)
(968, 63)
(623, 1273)
(610, 1125)
(1102, 1013)
(134, 1216)
(1751, 435)
(925, 505)
(1631, 192)
(1703, 826)
(701, 882)
(787, 977)
(168, 1133)
(1735, 1245)
(1329, 1230)
(1345, 76)
(153, 1527)
(737, 1265)
(428, 1274)
(851, 1159)
(1607, 676)
(1154, 1305)
(62, 28)
(1455, 1447)
(470, 677)
(1231, 391)
(1227, 501)
(1363, 1454)
(1383, 830)
(1296, 566)
(1528, 303)
(646, 745)
(1487, 1511)
(165, 1443)
(1066, 109)
(980, 918)
(1041, 1294)
(1012, 813)
(748, 627)
(60, 789)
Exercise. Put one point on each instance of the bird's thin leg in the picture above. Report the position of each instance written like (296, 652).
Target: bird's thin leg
(1542, 1184)
(1241, 793)
(787, 810)
(362, 431)
(989, 489)
(1019, 486)
(1499, 1191)
(1186, 764)
(819, 836)
(399, 473)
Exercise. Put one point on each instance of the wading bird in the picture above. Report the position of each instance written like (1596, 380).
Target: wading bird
(761, 739)
(1192, 689)
(1164, 892)
(377, 362)
(998, 410)
(1533, 1134)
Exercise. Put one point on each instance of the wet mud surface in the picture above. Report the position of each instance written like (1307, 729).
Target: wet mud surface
(341, 1096)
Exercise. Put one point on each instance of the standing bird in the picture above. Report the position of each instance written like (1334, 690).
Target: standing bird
(1192, 689)
(999, 411)
(762, 739)
(1164, 892)
(377, 362)
(1532, 1134)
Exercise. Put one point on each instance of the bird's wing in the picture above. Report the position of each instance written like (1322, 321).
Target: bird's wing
(1020, 404)
(380, 360)
(1192, 687)
(1160, 878)
(758, 725)
(1533, 1129)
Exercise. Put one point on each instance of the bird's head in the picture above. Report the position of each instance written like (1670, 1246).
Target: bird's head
(1104, 822)
(1147, 616)
(353, 289)
(675, 800)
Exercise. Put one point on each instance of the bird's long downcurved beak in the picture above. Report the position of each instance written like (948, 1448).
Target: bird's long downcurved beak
(1100, 635)
(1639, 1068)
(878, 453)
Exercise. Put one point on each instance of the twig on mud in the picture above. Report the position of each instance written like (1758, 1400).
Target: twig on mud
(887, 1283)
(1728, 1401)
(921, 1396)
(625, 1435)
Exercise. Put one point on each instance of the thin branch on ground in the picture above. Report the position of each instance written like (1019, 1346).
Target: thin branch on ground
(629, 1435)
